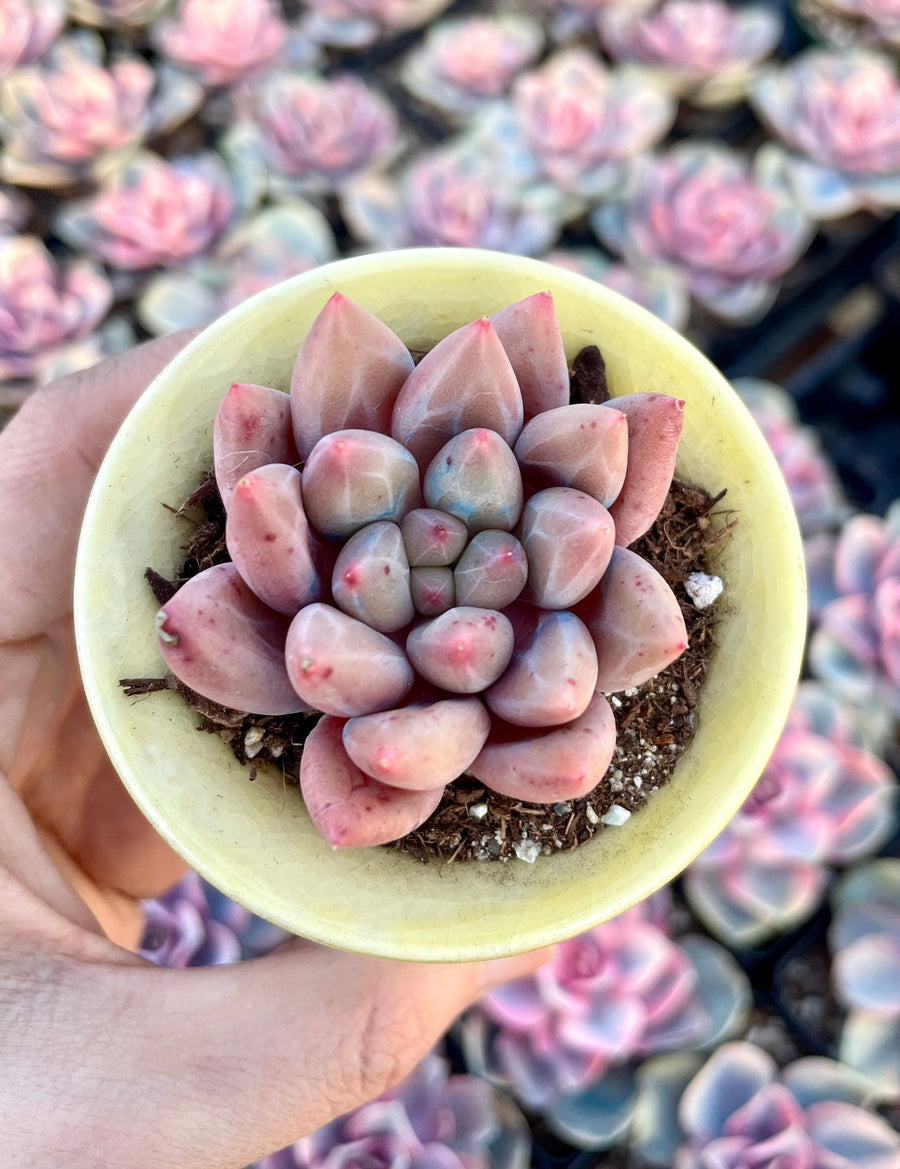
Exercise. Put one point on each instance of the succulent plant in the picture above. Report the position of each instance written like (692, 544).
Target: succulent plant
(822, 800)
(222, 41)
(304, 134)
(706, 50)
(702, 211)
(69, 117)
(815, 488)
(27, 28)
(855, 649)
(655, 289)
(568, 1041)
(116, 14)
(571, 19)
(433, 1119)
(279, 242)
(839, 115)
(396, 547)
(194, 924)
(152, 212)
(740, 1112)
(464, 63)
(42, 309)
(846, 23)
(358, 23)
(452, 197)
(865, 943)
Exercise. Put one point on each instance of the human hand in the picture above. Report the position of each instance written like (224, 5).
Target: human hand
(109, 1061)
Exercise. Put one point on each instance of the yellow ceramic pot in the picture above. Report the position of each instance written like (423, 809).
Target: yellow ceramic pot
(254, 841)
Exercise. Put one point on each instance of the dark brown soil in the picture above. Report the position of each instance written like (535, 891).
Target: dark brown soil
(804, 986)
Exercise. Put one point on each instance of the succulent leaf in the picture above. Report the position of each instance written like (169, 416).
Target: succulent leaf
(463, 650)
(582, 446)
(433, 590)
(529, 332)
(568, 538)
(252, 428)
(476, 478)
(432, 538)
(491, 572)
(371, 578)
(654, 428)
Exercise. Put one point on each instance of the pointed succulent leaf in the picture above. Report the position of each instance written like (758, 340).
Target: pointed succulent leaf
(561, 764)
(419, 746)
(465, 381)
(371, 578)
(432, 538)
(475, 477)
(463, 650)
(323, 652)
(355, 477)
(654, 428)
(269, 539)
(529, 332)
(348, 374)
(252, 428)
(568, 538)
(350, 809)
(636, 622)
(582, 446)
(491, 572)
(433, 590)
(553, 672)
(225, 644)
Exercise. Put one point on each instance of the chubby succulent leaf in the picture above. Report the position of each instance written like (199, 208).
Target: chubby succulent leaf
(529, 332)
(654, 428)
(582, 446)
(491, 572)
(463, 650)
(476, 478)
(568, 539)
(371, 578)
(252, 428)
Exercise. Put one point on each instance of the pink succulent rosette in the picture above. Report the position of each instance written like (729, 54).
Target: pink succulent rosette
(27, 28)
(839, 115)
(152, 212)
(705, 213)
(491, 621)
(855, 649)
(462, 64)
(222, 41)
(453, 197)
(864, 939)
(653, 288)
(740, 1112)
(583, 123)
(302, 134)
(359, 23)
(275, 244)
(823, 800)
(704, 49)
(568, 1041)
(116, 14)
(433, 1120)
(44, 310)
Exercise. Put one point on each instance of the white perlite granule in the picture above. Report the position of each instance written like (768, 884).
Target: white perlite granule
(478, 811)
(528, 851)
(703, 589)
(616, 816)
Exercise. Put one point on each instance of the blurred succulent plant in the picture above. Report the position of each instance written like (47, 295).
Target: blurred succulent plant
(568, 1041)
(821, 801)
(846, 23)
(453, 197)
(302, 134)
(855, 649)
(655, 289)
(194, 924)
(839, 114)
(571, 19)
(70, 118)
(399, 551)
(433, 1120)
(277, 243)
(222, 41)
(739, 1112)
(358, 23)
(815, 488)
(463, 64)
(152, 212)
(704, 212)
(706, 50)
(583, 123)
(44, 310)
(115, 14)
(27, 28)
(865, 943)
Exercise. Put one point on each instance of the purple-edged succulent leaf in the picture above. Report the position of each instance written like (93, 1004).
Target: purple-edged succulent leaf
(475, 477)
(419, 746)
(464, 650)
(323, 652)
(347, 375)
(351, 809)
(529, 332)
(568, 538)
(581, 446)
(252, 428)
(654, 428)
(225, 644)
(371, 578)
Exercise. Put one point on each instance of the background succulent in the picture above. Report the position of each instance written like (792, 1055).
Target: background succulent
(27, 28)
(657, 289)
(357, 23)
(222, 41)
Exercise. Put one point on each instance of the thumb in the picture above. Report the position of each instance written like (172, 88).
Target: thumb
(219, 1066)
